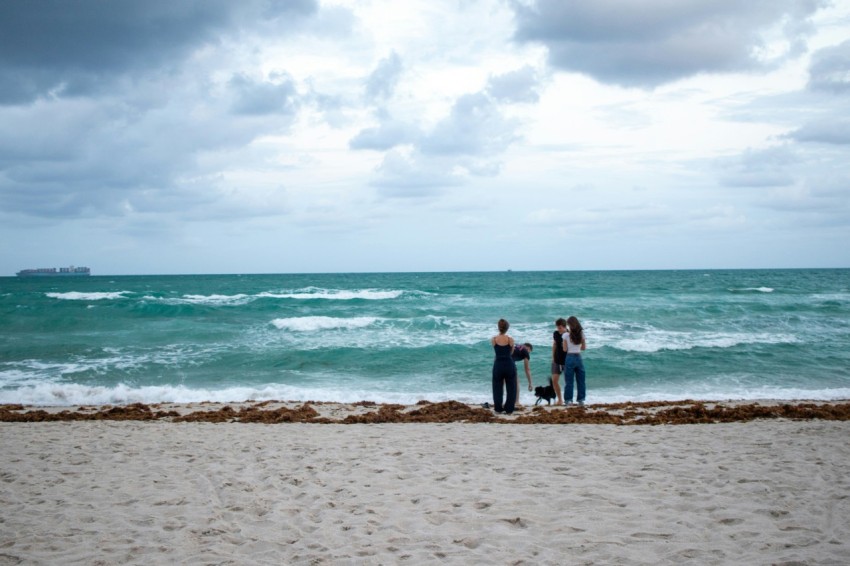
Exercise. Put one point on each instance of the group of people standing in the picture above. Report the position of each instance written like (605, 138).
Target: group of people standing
(568, 342)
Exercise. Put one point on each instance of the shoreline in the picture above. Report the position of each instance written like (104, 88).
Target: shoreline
(367, 412)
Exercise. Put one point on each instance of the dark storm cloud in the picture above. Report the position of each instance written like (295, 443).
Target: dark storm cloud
(651, 42)
(823, 107)
(830, 69)
(76, 47)
(96, 157)
(831, 131)
(100, 160)
(257, 98)
(148, 127)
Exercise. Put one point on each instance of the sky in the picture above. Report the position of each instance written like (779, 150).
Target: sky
(307, 136)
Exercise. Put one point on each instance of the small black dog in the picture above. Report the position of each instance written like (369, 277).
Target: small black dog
(547, 393)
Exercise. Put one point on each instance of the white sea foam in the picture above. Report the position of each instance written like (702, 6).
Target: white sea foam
(77, 296)
(837, 297)
(753, 290)
(335, 294)
(15, 376)
(208, 300)
(314, 323)
(26, 370)
(217, 300)
(376, 333)
(52, 394)
(660, 340)
(602, 325)
(55, 394)
(306, 293)
(173, 355)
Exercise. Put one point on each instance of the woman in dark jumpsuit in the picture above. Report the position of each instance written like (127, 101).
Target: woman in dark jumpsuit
(504, 370)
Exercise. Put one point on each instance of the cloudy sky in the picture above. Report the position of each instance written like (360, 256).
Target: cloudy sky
(212, 136)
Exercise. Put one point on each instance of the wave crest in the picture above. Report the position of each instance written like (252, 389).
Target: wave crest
(308, 293)
(657, 341)
(78, 296)
(208, 300)
(336, 294)
(314, 323)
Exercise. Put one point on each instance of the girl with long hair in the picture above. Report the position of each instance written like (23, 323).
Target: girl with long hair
(574, 345)
(504, 369)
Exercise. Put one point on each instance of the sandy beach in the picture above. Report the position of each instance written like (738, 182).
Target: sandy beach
(763, 491)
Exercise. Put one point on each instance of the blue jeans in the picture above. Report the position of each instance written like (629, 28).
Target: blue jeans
(574, 366)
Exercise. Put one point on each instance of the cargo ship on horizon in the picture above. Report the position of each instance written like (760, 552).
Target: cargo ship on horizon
(53, 272)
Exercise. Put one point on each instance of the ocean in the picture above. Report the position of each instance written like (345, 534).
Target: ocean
(405, 337)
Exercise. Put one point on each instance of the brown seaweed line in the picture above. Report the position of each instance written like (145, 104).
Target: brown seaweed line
(651, 413)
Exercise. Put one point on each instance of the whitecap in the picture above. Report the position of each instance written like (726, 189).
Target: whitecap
(314, 323)
(659, 340)
(206, 300)
(53, 394)
(239, 299)
(27, 371)
(69, 394)
(836, 297)
(77, 296)
(335, 294)
(375, 333)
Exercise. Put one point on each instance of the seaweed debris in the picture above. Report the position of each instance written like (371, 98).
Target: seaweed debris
(650, 413)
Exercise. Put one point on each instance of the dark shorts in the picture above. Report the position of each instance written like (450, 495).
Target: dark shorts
(557, 368)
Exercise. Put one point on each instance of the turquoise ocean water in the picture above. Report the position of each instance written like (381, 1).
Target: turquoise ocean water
(652, 335)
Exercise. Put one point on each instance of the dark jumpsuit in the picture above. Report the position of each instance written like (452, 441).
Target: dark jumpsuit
(504, 376)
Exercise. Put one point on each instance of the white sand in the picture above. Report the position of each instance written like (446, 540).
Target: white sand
(764, 492)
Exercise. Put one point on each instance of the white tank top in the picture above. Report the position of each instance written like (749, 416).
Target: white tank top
(570, 347)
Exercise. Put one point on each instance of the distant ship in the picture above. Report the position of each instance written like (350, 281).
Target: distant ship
(53, 272)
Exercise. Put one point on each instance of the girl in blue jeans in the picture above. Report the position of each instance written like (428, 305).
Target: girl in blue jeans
(574, 345)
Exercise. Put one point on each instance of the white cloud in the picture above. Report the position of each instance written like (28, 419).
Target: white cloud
(413, 175)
